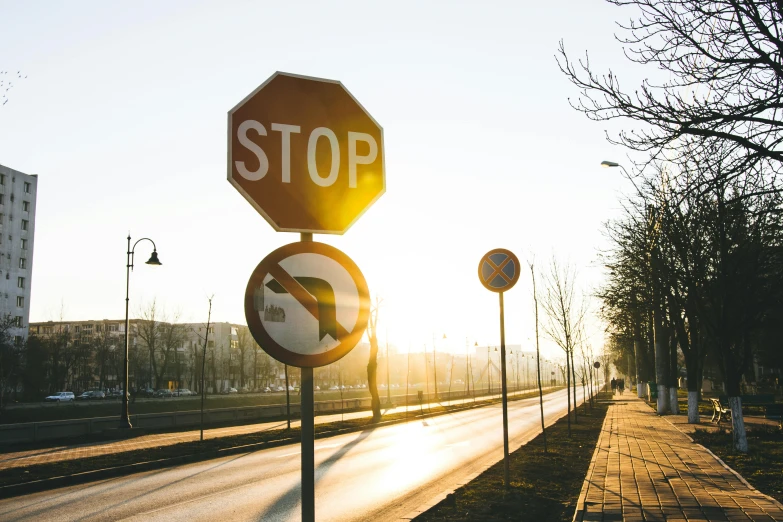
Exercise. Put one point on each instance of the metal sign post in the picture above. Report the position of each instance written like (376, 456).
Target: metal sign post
(308, 446)
(504, 391)
(498, 271)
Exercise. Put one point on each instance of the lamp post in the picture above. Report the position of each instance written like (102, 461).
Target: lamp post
(490, 368)
(388, 363)
(435, 364)
(153, 260)
(489, 376)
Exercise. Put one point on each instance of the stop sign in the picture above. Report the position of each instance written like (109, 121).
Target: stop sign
(305, 154)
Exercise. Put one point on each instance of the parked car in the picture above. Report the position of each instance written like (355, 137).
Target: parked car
(182, 392)
(333, 388)
(91, 395)
(317, 388)
(116, 394)
(60, 397)
(164, 393)
(147, 392)
(228, 391)
(280, 389)
(267, 390)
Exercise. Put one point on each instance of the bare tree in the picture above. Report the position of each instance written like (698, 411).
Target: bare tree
(531, 264)
(565, 313)
(163, 339)
(724, 67)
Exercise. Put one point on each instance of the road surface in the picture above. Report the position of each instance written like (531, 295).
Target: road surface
(380, 474)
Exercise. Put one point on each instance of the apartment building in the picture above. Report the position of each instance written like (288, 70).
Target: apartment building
(18, 193)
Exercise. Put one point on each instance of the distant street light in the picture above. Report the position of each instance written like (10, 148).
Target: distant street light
(435, 364)
(153, 260)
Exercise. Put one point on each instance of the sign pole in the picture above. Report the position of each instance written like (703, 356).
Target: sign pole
(504, 392)
(308, 449)
(498, 271)
(308, 434)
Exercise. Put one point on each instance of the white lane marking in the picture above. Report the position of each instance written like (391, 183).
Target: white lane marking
(322, 446)
(288, 454)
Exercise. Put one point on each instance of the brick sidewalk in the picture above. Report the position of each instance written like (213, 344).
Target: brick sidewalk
(644, 468)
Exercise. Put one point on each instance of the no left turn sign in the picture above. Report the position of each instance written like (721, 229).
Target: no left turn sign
(307, 304)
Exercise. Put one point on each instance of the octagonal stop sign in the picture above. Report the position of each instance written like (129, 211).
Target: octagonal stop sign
(305, 154)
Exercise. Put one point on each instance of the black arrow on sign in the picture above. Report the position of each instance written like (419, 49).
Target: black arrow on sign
(324, 295)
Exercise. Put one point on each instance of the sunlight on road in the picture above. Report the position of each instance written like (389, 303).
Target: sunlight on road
(414, 457)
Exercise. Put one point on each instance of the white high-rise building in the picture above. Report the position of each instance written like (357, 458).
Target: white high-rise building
(17, 231)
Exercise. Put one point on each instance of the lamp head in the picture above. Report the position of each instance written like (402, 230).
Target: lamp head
(154, 259)
(609, 164)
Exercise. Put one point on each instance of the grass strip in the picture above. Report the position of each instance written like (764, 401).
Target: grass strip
(762, 466)
(211, 447)
(544, 486)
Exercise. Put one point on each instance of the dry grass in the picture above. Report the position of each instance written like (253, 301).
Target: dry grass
(544, 486)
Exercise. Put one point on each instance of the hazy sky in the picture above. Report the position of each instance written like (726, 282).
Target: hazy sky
(123, 117)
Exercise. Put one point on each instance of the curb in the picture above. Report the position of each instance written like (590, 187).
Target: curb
(581, 503)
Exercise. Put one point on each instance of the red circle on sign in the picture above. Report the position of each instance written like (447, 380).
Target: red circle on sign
(492, 274)
(270, 264)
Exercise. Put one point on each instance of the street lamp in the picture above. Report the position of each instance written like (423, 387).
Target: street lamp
(501, 384)
(435, 364)
(153, 260)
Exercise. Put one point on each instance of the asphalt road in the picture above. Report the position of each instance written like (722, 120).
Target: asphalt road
(380, 474)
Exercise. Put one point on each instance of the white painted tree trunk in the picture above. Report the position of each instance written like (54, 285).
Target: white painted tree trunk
(693, 407)
(641, 390)
(738, 425)
(663, 400)
(674, 402)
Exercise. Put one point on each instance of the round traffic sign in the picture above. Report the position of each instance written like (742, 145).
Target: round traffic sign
(305, 154)
(596, 365)
(498, 270)
(307, 304)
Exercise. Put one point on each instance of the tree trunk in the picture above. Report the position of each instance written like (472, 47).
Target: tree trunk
(692, 369)
(573, 380)
(568, 392)
(673, 377)
(738, 425)
(674, 402)
(661, 364)
(640, 387)
(372, 380)
(693, 407)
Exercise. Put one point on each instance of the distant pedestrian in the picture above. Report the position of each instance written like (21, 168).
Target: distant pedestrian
(621, 385)
(614, 385)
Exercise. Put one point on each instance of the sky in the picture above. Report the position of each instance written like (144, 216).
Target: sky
(123, 117)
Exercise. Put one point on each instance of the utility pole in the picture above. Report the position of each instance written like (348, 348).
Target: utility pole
(435, 365)
(388, 363)
(489, 375)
